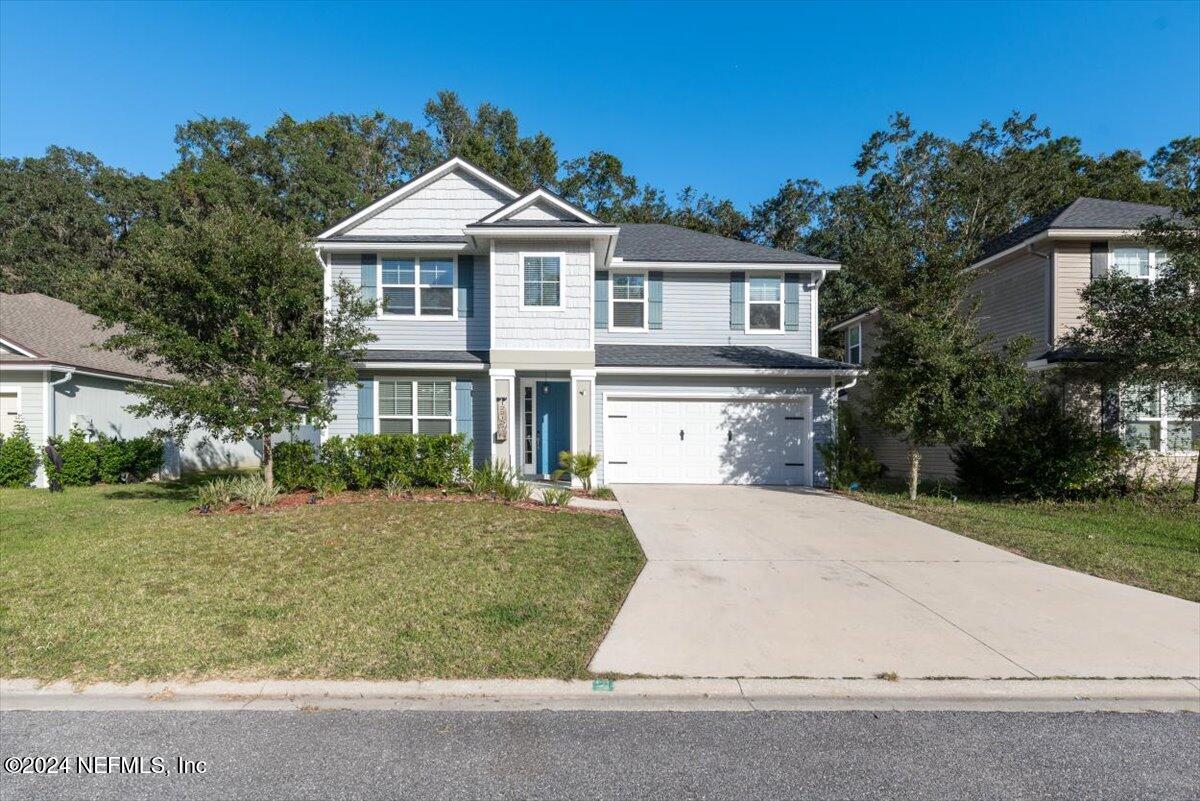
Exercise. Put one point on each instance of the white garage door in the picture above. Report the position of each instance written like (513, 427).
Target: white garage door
(708, 441)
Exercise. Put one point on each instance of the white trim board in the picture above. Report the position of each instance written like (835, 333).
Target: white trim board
(527, 200)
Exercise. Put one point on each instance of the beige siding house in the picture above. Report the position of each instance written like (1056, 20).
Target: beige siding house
(1029, 282)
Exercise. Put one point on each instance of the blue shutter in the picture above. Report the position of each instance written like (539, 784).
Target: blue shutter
(464, 412)
(737, 301)
(601, 293)
(655, 300)
(366, 277)
(466, 286)
(366, 406)
(791, 301)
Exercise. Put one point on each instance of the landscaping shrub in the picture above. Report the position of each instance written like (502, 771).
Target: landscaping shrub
(1042, 451)
(367, 461)
(295, 465)
(110, 460)
(580, 465)
(18, 458)
(556, 496)
(847, 460)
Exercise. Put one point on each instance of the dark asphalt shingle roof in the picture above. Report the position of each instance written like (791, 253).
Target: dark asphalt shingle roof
(62, 333)
(450, 356)
(711, 356)
(660, 242)
(1085, 212)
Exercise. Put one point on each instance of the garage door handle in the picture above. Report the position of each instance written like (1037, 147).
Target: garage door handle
(681, 435)
(729, 436)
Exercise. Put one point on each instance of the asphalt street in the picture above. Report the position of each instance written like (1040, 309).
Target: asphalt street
(604, 755)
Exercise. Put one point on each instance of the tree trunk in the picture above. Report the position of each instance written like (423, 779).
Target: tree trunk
(268, 461)
(914, 471)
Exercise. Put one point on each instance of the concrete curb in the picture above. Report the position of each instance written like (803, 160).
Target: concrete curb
(749, 695)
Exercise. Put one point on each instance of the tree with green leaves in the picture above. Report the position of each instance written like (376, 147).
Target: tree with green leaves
(1146, 334)
(230, 304)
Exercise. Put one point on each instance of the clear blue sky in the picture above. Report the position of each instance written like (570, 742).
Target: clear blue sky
(730, 98)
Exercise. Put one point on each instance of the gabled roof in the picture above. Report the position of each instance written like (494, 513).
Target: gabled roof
(861, 314)
(456, 163)
(1085, 213)
(661, 242)
(59, 333)
(503, 214)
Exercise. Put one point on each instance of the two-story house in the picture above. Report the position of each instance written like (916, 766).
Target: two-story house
(534, 328)
(1029, 281)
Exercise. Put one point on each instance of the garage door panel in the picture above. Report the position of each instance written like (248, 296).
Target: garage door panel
(723, 441)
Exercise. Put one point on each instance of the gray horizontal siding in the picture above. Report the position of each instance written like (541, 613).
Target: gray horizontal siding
(470, 333)
(690, 385)
(695, 311)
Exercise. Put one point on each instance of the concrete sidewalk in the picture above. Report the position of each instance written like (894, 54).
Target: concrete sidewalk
(779, 582)
(745, 695)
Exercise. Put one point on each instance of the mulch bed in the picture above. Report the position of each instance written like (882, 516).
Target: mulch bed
(294, 499)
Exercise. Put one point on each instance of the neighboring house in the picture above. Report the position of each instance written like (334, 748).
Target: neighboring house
(527, 324)
(54, 375)
(1030, 282)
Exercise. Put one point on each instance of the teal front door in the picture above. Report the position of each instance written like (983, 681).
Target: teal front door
(553, 423)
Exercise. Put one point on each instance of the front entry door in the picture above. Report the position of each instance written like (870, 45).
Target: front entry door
(554, 420)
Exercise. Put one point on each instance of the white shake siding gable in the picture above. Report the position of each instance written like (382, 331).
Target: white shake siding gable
(568, 327)
(442, 208)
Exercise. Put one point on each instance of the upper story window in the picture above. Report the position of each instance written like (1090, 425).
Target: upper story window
(434, 409)
(542, 278)
(418, 287)
(628, 300)
(1136, 262)
(765, 302)
(854, 344)
(1154, 420)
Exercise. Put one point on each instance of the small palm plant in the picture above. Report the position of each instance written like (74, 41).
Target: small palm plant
(580, 465)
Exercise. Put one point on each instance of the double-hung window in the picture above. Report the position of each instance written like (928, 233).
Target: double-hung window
(418, 287)
(1136, 262)
(854, 344)
(1155, 419)
(765, 302)
(542, 276)
(431, 413)
(628, 300)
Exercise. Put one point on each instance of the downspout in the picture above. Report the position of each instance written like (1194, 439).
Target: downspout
(51, 413)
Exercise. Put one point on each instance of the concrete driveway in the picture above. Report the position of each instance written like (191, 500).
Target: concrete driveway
(761, 581)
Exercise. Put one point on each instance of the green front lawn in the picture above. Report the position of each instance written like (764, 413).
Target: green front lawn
(125, 583)
(1148, 542)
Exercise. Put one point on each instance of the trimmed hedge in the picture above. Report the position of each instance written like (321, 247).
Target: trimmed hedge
(370, 461)
(104, 459)
(18, 458)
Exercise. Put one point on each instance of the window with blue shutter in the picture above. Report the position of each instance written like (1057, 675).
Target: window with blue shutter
(600, 293)
(737, 301)
(464, 412)
(366, 277)
(791, 302)
(466, 286)
(366, 407)
(655, 296)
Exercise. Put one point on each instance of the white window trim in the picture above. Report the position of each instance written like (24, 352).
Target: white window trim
(562, 283)
(780, 302)
(1153, 260)
(612, 285)
(1163, 417)
(414, 380)
(416, 315)
(857, 327)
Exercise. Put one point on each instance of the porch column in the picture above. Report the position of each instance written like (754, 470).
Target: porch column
(503, 415)
(583, 413)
